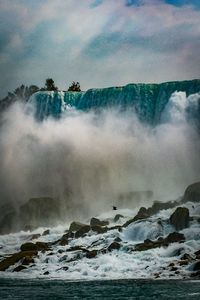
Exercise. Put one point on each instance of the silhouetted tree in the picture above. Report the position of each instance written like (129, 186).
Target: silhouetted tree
(74, 87)
(21, 93)
(50, 85)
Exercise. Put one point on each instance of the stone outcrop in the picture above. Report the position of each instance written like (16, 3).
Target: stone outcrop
(174, 237)
(192, 193)
(180, 218)
(97, 222)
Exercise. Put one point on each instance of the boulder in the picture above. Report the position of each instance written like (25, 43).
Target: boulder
(114, 246)
(174, 237)
(46, 232)
(196, 266)
(117, 218)
(38, 246)
(180, 218)
(192, 193)
(13, 259)
(91, 254)
(28, 247)
(99, 229)
(35, 236)
(82, 231)
(19, 269)
(142, 214)
(75, 226)
(164, 242)
(97, 222)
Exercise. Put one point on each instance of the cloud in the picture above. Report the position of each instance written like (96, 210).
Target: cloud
(100, 43)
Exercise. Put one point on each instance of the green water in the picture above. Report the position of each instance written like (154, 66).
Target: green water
(112, 289)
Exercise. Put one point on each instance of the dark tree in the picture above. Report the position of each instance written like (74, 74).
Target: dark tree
(50, 85)
(74, 87)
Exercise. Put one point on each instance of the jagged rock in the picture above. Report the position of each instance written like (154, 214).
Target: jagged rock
(92, 254)
(38, 246)
(75, 226)
(196, 266)
(174, 237)
(99, 229)
(28, 247)
(180, 218)
(27, 260)
(186, 256)
(114, 246)
(97, 222)
(46, 232)
(192, 193)
(183, 262)
(142, 214)
(145, 213)
(197, 253)
(64, 240)
(13, 259)
(35, 236)
(19, 269)
(46, 273)
(82, 231)
(171, 238)
(117, 218)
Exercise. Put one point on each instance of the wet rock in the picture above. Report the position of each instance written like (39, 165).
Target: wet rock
(75, 226)
(192, 193)
(174, 237)
(197, 253)
(92, 254)
(117, 239)
(64, 240)
(82, 231)
(180, 218)
(28, 247)
(13, 259)
(149, 244)
(142, 214)
(158, 206)
(35, 236)
(196, 266)
(97, 222)
(173, 269)
(27, 260)
(117, 218)
(99, 229)
(38, 246)
(19, 269)
(114, 246)
(46, 273)
(183, 262)
(186, 256)
(46, 232)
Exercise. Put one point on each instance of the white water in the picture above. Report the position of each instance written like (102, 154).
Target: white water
(128, 156)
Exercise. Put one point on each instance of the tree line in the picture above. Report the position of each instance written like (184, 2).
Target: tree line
(23, 92)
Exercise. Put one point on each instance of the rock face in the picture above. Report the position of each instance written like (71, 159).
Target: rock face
(12, 260)
(180, 218)
(174, 237)
(192, 193)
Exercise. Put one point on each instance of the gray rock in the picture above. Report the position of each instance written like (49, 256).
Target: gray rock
(97, 222)
(192, 193)
(180, 218)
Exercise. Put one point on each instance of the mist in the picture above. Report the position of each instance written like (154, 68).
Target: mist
(87, 161)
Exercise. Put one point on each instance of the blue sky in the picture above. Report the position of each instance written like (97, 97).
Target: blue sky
(98, 42)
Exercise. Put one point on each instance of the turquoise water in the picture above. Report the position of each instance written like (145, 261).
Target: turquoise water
(112, 289)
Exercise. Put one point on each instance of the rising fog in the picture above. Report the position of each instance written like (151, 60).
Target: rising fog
(87, 161)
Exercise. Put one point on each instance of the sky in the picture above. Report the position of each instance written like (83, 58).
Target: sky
(99, 43)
